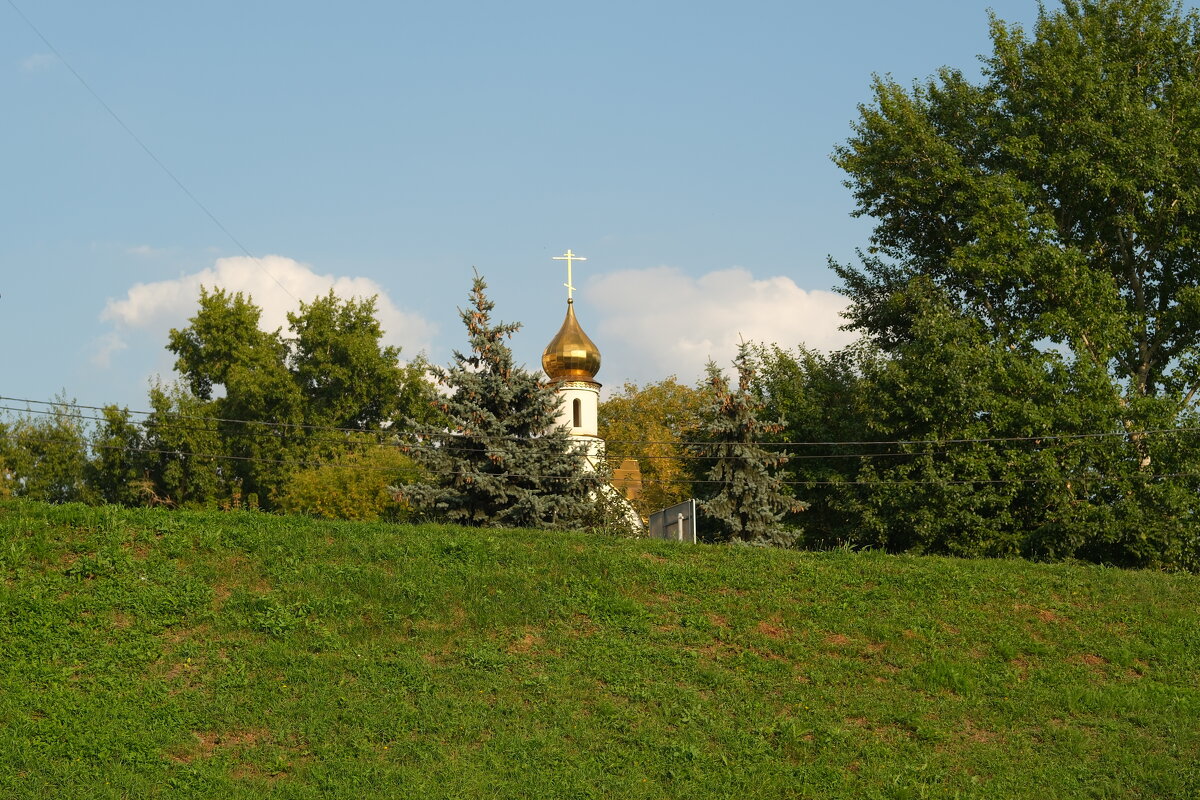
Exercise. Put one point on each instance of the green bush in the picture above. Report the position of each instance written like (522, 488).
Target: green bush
(358, 485)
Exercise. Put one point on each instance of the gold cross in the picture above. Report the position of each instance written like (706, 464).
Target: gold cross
(569, 257)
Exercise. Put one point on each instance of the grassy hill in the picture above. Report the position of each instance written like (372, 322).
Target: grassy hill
(147, 654)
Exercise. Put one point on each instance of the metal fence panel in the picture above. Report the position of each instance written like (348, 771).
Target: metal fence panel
(677, 523)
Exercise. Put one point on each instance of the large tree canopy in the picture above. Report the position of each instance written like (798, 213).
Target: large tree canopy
(1055, 201)
(1033, 289)
(281, 403)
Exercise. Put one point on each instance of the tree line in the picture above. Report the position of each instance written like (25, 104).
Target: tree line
(1029, 301)
(271, 420)
(1025, 384)
(324, 420)
(1029, 305)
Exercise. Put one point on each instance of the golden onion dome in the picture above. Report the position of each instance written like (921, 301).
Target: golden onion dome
(571, 355)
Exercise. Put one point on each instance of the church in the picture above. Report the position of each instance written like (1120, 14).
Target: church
(571, 361)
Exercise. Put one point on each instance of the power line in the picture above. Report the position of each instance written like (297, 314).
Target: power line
(1037, 438)
(174, 415)
(453, 441)
(183, 454)
(171, 424)
(304, 463)
(146, 149)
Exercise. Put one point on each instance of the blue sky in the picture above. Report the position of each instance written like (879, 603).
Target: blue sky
(682, 147)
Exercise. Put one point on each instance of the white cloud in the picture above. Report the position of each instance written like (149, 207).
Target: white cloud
(145, 250)
(104, 347)
(660, 321)
(151, 309)
(38, 61)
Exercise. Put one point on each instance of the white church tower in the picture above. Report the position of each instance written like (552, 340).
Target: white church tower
(572, 360)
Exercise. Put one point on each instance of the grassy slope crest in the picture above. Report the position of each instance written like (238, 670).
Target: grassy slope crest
(241, 655)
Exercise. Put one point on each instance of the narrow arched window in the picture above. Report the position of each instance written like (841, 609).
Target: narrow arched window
(577, 413)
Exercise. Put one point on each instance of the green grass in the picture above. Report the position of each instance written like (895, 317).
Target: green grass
(238, 655)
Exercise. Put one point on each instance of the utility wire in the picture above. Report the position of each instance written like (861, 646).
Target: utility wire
(171, 423)
(146, 149)
(174, 415)
(307, 463)
(183, 454)
(1049, 437)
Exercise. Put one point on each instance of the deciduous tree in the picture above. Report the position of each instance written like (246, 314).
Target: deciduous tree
(1057, 201)
(189, 463)
(1035, 267)
(652, 424)
(347, 377)
(45, 454)
(120, 464)
(285, 403)
(259, 403)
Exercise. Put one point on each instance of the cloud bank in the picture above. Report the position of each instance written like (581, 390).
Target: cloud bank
(274, 283)
(660, 321)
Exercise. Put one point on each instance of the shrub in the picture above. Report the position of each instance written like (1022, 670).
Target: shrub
(358, 485)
